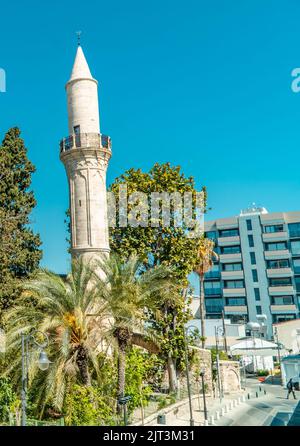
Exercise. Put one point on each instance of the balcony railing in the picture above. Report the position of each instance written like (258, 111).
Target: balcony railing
(85, 140)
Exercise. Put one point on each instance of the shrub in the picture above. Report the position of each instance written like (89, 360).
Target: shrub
(8, 399)
(86, 406)
(263, 372)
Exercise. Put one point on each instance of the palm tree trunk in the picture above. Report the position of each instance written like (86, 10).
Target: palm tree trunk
(121, 373)
(172, 375)
(82, 363)
(202, 309)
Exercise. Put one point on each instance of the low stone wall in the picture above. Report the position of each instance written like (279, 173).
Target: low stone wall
(203, 360)
(230, 376)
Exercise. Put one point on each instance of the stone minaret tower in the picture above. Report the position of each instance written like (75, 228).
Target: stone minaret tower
(85, 154)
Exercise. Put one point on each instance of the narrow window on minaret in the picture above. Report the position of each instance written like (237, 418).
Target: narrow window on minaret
(77, 135)
(80, 203)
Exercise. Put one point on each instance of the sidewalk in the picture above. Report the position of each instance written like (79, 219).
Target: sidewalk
(179, 415)
(258, 405)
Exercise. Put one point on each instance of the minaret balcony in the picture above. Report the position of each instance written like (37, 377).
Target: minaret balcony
(85, 141)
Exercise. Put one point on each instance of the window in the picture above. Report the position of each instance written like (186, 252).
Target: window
(213, 273)
(294, 229)
(249, 225)
(273, 228)
(234, 284)
(257, 294)
(229, 233)
(236, 301)
(253, 258)
(211, 234)
(283, 317)
(232, 267)
(238, 319)
(77, 135)
(254, 275)
(276, 264)
(297, 282)
(214, 305)
(251, 241)
(258, 309)
(282, 300)
(283, 281)
(276, 246)
(212, 288)
(231, 249)
(295, 247)
(296, 265)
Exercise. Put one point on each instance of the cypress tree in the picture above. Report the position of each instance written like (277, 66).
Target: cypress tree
(19, 246)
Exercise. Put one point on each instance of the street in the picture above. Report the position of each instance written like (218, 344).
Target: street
(270, 409)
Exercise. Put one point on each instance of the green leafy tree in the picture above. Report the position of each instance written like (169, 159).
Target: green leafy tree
(161, 245)
(167, 245)
(19, 246)
(138, 369)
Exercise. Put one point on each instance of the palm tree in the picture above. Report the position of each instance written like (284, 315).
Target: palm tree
(129, 291)
(204, 263)
(62, 309)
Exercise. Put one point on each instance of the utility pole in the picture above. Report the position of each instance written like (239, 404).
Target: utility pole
(278, 352)
(224, 332)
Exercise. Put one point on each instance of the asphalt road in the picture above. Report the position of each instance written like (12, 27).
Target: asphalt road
(272, 409)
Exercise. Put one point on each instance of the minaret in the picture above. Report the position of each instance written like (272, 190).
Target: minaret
(85, 154)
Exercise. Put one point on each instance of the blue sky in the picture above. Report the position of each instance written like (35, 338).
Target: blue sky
(202, 84)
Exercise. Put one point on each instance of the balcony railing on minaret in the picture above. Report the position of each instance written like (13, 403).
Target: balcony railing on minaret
(85, 140)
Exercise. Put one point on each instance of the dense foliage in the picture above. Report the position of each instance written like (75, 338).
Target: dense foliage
(158, 244)
(19, 246)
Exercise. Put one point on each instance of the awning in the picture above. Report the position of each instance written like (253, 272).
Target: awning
(254, 347)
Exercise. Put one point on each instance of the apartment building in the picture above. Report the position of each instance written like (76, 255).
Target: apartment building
(258, 270)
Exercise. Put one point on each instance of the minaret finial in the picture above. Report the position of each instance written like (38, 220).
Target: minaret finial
(78, 37)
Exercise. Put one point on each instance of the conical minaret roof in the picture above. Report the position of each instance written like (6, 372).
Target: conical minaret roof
(80, 68)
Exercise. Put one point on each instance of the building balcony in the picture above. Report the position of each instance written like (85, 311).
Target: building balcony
(232, 275)
(275, 236)
(230, 258)
(277, 255)
(233, 292)
(85, 141)
(229, 241)
(279, 272)
(231, 309)
(284, 308)
(285, 290)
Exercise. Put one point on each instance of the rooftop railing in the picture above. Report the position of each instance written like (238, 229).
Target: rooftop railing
(85, 140)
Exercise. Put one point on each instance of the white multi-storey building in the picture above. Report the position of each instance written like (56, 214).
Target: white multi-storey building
(258, 271)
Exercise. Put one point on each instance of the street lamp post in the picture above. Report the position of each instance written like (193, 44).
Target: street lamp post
(123, 402)
(224, 332)
(218, 330)
(43, 362)
(187, 366)
(278, 353)
(202, 373)
(253, 327)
